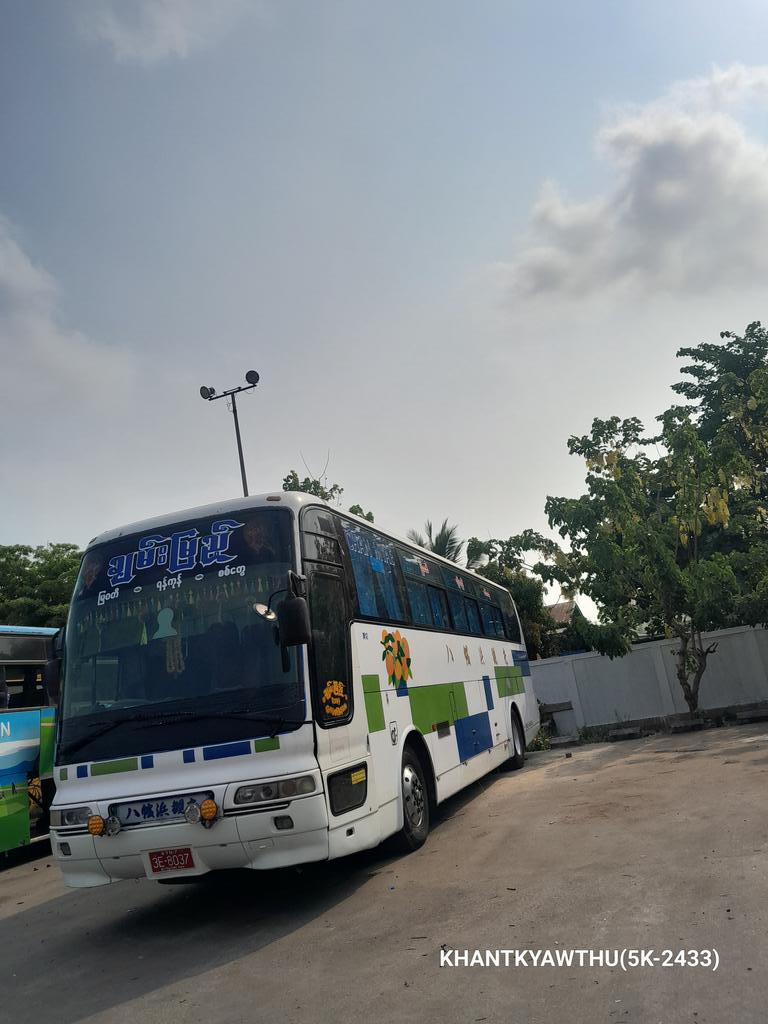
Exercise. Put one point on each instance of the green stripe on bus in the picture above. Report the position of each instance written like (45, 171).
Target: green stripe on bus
(509, 680)
(125, 764)
(47, 737)
(374, 708)
(440, 702)
(260, 746)
(63, 774)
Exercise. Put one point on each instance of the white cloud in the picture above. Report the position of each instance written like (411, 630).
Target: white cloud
(93, 434)
(21, 282)
(687, 211)
(152, 30)
(42, 357)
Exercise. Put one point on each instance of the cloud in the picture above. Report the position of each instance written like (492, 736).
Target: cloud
(43, 360)
(148, 31)
(687, 210)
(92, 433)
(21, 282)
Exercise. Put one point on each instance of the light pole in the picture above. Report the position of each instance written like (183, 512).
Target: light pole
(209, 394)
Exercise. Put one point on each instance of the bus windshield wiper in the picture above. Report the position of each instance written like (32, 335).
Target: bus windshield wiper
(194, 716)
(151, 721)
(105, 727)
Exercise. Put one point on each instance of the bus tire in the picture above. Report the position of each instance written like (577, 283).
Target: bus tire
(517, 760)
(413, 785)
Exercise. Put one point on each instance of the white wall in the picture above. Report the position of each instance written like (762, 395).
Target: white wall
(643, 684)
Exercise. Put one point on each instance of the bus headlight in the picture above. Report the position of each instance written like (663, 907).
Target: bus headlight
(70, 816)
(285, 789)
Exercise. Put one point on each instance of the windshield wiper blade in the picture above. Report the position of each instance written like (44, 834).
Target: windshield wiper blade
(152, 721)
(187, 716)
(105, 727)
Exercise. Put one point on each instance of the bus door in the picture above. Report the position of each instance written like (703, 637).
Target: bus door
(342, 736)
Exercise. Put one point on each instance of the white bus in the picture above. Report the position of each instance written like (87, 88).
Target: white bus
(269, 681)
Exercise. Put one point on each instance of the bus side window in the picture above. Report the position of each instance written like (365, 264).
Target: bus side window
(473, 615)
(421, 614)
(493, 624)
(439, 608)
(489, 623)
(330, 666)
(510, 619)
(458, 611)
(375, 569)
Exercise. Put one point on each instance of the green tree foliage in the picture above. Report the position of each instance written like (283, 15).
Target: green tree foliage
(729, 385)
(332, 494)
(358, 510)
(655, 541)
(36, 584)
(311, 485)
(445, 541)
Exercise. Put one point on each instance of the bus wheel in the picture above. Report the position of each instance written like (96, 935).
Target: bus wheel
(415, 803)
(518, 744)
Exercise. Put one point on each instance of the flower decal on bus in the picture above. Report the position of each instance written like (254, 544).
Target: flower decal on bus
(335, 703)
(397, 657)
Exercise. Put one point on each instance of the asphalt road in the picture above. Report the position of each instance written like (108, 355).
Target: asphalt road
(658, 844)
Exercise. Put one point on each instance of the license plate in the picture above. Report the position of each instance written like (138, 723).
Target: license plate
(171, 860)
(157, 811)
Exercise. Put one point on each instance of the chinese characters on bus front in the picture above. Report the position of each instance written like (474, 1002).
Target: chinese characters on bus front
(154, 810)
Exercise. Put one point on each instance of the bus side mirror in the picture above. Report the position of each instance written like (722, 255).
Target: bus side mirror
(52, 677)
(293, 622)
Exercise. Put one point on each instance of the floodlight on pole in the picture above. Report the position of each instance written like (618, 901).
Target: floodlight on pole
(210, 395)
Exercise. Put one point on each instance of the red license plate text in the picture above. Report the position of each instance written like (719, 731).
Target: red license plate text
(171, 860)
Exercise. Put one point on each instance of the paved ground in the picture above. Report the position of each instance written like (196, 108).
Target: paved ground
(661, 843)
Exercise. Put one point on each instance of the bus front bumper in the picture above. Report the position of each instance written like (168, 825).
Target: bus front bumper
(242, 839)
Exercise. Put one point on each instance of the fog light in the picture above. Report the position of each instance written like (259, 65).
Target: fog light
(208, 810)
(96, 825)
(192, 813)
(112, 825)
(283, 822)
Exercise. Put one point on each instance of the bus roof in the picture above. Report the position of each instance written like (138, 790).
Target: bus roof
(27, 630)
(292, 499)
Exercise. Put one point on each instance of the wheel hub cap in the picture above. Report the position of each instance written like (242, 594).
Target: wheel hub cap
(413, 796)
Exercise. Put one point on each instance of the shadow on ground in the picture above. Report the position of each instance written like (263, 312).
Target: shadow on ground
(118, 942)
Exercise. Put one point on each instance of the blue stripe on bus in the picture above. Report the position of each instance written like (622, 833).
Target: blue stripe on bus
(226, 750)
(473, 735)
(147, 761)
(82, 771)
(520, 658)
(189, 756)
(488, 694)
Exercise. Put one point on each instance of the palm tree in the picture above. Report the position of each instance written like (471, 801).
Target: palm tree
(445, 542)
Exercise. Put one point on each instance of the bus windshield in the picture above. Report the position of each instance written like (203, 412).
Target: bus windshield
(165, 647)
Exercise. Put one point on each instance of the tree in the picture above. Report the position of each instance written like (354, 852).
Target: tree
(311, 485)
(729, 385)
(332, 494)
(36, 584)
(652, 541)
(357, 510)
(445, 541)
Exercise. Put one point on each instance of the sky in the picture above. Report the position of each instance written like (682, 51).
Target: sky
(447, 235)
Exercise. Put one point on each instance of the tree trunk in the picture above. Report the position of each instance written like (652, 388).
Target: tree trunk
(681, 667)
(691, 663)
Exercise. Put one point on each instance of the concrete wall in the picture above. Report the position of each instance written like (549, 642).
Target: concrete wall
(643, 684)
